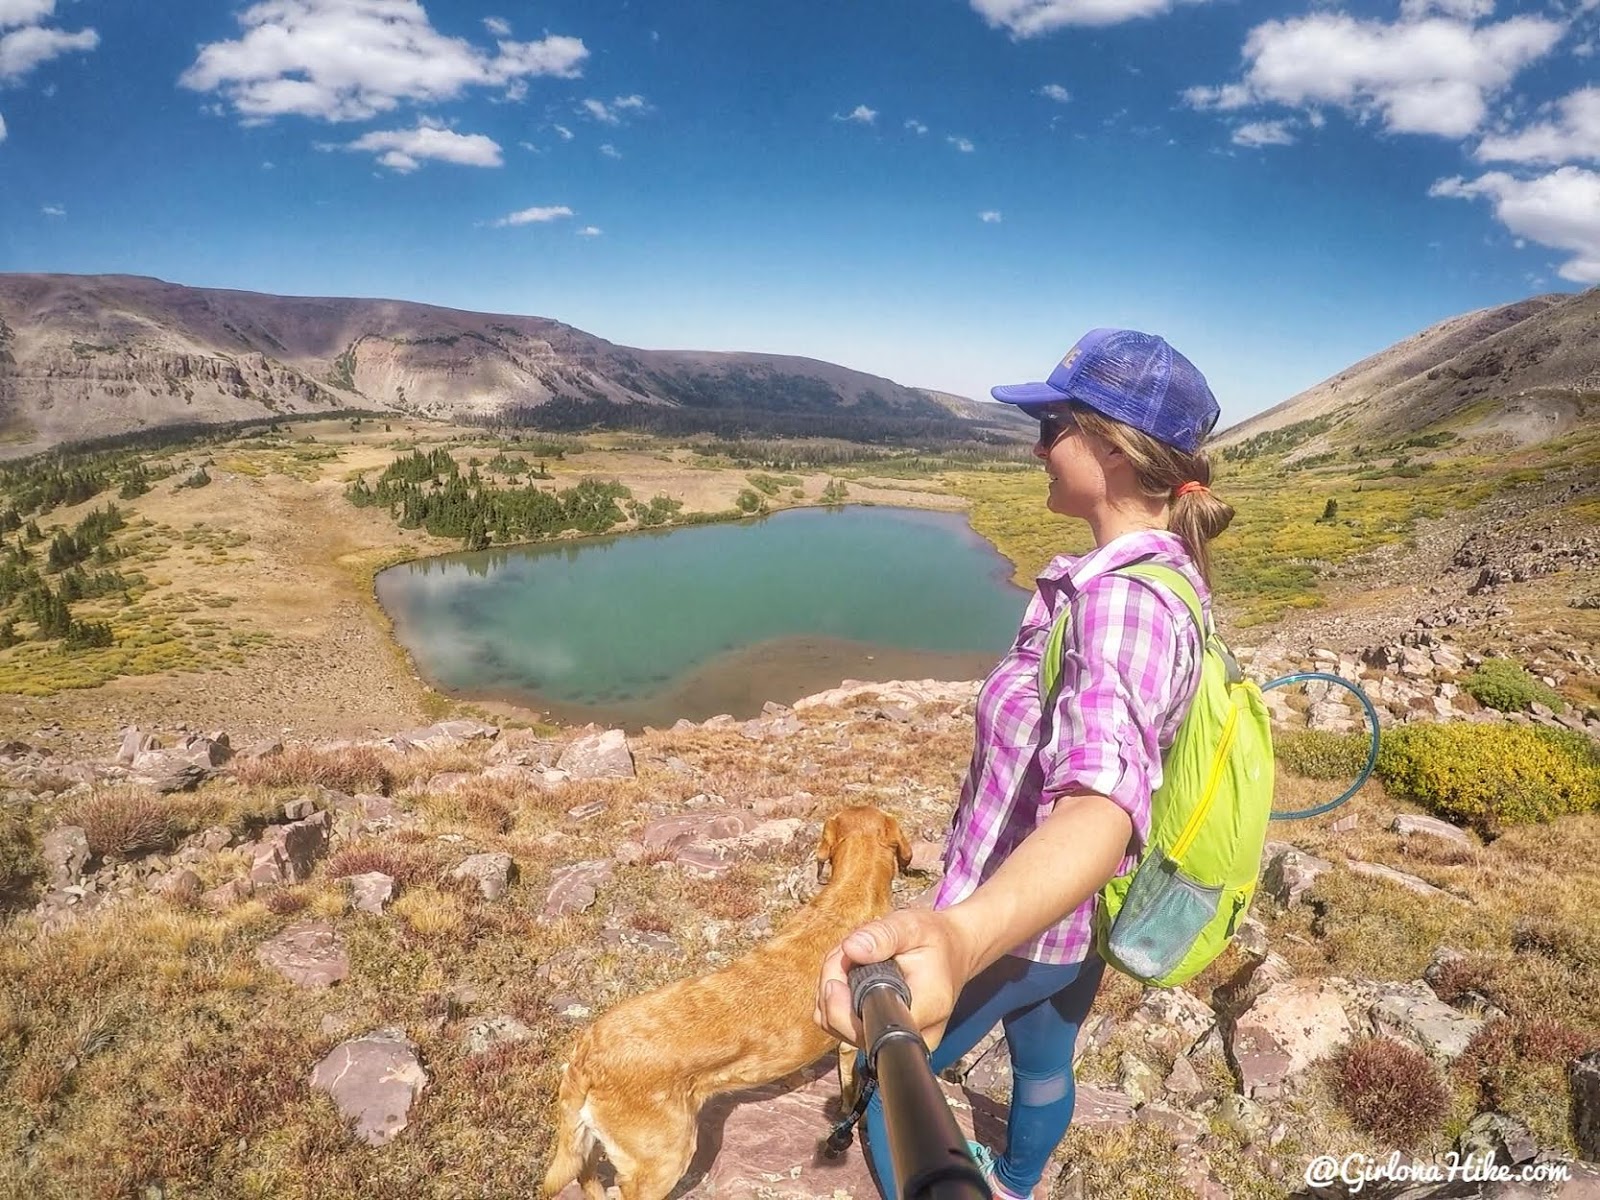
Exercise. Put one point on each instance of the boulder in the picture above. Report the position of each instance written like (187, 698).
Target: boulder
(574, 888)
(1183, 1081)
(65, 850)
(491, 872)
(1410, 883)
(1290, 873)
(135, 742)
(1412, 1013)
(1506, 1138)
(1185, 1128)
(1171, 1019)
(179, 884)
(444, 735)
(1407, 824)
(1136, 1080)
(1290, 1026)
(169, 770)
(598, 756)
(287, 853)
(1584, 1077)
(308, 954)
(374, 1080)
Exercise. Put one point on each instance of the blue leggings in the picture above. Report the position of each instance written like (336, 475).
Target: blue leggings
(1041, 1006)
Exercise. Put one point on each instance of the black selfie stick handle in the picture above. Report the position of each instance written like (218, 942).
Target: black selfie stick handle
(926, 1145)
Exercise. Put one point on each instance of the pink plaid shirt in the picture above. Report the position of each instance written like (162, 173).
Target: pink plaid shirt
(1130, 666)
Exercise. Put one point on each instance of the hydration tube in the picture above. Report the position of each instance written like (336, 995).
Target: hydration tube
(1372, 751)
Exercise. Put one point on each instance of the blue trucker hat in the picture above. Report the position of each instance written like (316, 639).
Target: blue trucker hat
(1132, 377)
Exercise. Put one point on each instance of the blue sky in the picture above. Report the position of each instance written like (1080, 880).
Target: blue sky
(944, 191)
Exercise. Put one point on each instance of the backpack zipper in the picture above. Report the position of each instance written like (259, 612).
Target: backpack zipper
(1192, 829)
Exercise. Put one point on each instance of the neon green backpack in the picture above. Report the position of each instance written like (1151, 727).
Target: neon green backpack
(1168, 918)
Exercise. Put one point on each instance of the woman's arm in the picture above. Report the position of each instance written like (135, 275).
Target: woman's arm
(1058, 866)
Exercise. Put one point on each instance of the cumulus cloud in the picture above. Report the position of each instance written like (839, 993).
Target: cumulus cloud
(534, 216)
(1263, 133)
(916, 126)
(564, 132)
(499, 26)
(404, 150)
(2, 129)
(612, 114)
(962, 144)
(53, 210)
(861, 113)
(1561, 210)
(990, 216)
(590, 231)
(1573, 135)
(25, 12)
(1434, 75)
(23, 49)
(1054, 91)
(1466, 10)
(1029, 18)
(349, 60)
(610, 151)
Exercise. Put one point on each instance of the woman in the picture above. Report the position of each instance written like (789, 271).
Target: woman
(1057, 797)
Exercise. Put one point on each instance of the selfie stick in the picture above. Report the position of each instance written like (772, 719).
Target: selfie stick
(926, 1145)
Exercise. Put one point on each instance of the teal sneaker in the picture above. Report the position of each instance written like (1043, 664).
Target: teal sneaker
(984, 1157)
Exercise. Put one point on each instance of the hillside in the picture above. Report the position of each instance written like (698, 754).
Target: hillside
(1529, 370)
(96, 356)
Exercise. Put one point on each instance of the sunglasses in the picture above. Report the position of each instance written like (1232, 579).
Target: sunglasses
(1053, 426)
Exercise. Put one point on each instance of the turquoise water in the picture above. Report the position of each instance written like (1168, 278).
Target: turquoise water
(644, 628)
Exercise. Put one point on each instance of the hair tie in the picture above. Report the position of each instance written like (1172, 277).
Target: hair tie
(1184, 489)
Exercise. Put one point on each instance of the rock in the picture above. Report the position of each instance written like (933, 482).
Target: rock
(299, 810)
(628, 853)
(225, 896)
(1245, 1117)
(1443, 956)
(599, 756)
(705, 860)
(1584, 1077)
(1185, 1128)
(135, 742)
(1137, 1081)
(1251, 938)
(583, 812)
(1101, 1108)
(1290, 873)
(168, 771)
(1407, 824)
(1183, 1081)
(672, 833)
(910, 693)
(771, 835)
(1400, 879)
(374, 1080)
(488, 1032)
(308, 954)
(65, 850)
(1290, 1026)
(445, 782)
(1412, 1013)
(1345, 824)
(370, 891)
(491, 872)
(573, 888)
(287, 853)
(1506, 1138)
(927, 858)
(265, 748)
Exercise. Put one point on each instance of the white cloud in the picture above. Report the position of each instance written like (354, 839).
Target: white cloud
(566, 134)
(268, 165)
(610, 151)
(2, 129)
(1430, 76)
(916, 126)
(1054, 91)
(53, 210)
(1263, 133)
(1573, 136)
(1561, 209)
(590, 231)
(1029, 18)
(348, 60)
(499, 26)
(611, 114)
(534, 216)
(990, 216)
(861, 113)
(1466, 10)
(404, 150)
(24, 12)
(961, 144)
(23, 49)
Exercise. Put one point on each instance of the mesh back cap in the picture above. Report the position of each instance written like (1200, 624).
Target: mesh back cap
(1132, 377)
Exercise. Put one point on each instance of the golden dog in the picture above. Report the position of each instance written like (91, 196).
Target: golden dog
(636, 1079)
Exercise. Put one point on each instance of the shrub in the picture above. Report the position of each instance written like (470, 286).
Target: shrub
(352, 769)
(1318, 754)
(1505, 685)
(1489, 776)
(1390, 1089)
(407, 864)
(19, 853)
(121, 822)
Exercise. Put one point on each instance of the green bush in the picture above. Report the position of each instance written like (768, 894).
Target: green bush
(1491, 776)
(1505, 685)
(19, 854)
(1318, 754)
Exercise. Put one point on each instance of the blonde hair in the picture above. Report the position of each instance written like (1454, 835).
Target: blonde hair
(1196, 517)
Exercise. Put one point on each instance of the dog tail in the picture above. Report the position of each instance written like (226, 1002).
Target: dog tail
(575, 1141)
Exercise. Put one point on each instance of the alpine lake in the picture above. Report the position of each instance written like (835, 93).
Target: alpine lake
(647, 627)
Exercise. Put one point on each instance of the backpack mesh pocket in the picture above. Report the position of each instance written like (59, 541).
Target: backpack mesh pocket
(1162, 916)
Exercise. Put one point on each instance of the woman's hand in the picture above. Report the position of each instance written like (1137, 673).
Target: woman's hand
(932, 954)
